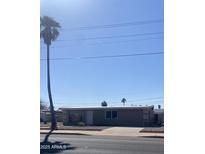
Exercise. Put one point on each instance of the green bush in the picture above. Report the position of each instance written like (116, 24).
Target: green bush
(65, 123)
(81, 124)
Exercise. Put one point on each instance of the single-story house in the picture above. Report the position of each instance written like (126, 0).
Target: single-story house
(109, 116)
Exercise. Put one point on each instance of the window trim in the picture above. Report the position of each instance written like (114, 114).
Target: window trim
(106, 115)
(111, 115)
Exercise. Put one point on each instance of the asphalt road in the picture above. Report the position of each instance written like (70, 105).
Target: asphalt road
(80, 144)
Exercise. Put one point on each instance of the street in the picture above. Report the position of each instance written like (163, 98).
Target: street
(81, 144)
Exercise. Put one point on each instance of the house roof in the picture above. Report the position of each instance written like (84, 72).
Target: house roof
(158, 110)
(57, 111)
(106, 108)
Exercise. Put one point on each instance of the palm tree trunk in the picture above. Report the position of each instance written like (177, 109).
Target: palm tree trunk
(53, 118)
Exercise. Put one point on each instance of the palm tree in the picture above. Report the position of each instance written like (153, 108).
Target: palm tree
(104, 103)
(123, 101)
(49, 33)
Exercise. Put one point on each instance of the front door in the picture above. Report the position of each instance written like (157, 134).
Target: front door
(89, 117)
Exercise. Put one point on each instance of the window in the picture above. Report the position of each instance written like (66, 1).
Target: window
(111, 115)
(75, 116)
(114, 114)
(146, 115)
(108, 114)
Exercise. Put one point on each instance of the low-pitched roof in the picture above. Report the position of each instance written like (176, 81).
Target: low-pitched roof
(158, 110)
(106, 108)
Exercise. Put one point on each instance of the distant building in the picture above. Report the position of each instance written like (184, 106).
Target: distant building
(46, 116)
(109, 116)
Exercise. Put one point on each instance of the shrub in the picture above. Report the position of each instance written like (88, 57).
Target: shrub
(81, 124)
(65, 123)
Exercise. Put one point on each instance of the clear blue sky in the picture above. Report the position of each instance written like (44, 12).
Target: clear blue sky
(87, 82)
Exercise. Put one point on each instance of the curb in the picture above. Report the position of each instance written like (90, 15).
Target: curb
(66, 133)
(74, 129)
(144, 131)
(162, 137)
(61, 133)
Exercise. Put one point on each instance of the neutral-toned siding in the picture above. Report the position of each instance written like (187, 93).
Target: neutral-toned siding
(125, 118)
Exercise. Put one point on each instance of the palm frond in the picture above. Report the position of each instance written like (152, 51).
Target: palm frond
(55, 34)
(49, 22)
(49, 29)
(123, 100)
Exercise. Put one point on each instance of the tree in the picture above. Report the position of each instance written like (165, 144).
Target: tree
(123, 101)
(49, 33)
(43, 105)
(159, 106)
(104, 103)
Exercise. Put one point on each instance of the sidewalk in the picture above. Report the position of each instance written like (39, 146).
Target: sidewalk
(112, 131)
(90, 128)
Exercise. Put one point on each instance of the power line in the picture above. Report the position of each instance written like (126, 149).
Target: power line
(130, 101)
(110, 37)
(126, 41)
(113, 42)
(141, 100)
(98, 104)
(111, 56)
(125, 24)
(113, 104)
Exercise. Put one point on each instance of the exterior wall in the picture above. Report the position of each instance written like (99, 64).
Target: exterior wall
(59, 116)
(65, 117)
(125, 117)
(73, 117)
(46, 116)
(159, 118)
